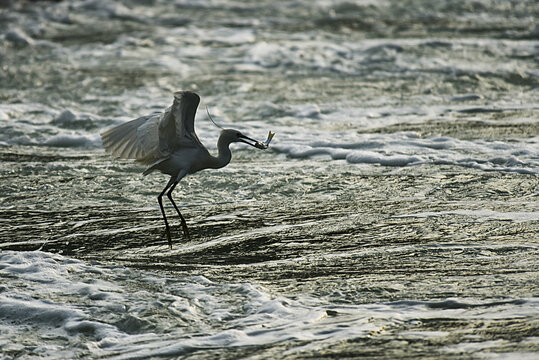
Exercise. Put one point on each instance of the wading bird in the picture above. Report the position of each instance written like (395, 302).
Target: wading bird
(167, 142)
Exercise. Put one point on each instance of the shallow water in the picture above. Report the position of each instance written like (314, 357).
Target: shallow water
(394, 216)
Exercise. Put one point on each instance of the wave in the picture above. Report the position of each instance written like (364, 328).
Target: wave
(39, 125)
(73, 140)
(58, 307)
(482, 215)
(408, 149)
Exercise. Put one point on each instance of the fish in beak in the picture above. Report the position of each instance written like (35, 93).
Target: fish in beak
(257, 144)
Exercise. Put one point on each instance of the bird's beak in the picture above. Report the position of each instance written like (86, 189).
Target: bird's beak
(252, 142)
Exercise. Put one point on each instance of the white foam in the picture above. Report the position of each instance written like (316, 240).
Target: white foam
(370, 157)
(3, 116)
(404, 149)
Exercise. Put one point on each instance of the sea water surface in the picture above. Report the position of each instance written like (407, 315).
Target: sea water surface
(395, 214)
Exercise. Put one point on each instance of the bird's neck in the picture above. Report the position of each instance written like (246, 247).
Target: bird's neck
(224, 156)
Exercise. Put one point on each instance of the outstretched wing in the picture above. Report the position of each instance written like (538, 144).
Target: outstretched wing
(177, 126)
(135, 139)
(156, 136)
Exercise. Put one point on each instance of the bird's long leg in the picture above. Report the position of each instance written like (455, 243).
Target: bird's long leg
(184, 223)
(160, 201)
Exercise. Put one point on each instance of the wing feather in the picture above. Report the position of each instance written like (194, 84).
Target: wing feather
(183, 111)
(123, 140)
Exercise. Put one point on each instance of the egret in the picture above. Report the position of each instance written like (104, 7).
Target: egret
(167, 142)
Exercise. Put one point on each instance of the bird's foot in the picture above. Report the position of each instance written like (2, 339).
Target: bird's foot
(169, 238)
(186, 231)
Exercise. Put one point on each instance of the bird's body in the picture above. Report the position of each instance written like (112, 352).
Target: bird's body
(168, 143)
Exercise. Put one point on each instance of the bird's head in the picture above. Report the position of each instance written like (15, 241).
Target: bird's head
(230, 136)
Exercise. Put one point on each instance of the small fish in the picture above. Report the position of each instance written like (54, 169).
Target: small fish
(265, 144)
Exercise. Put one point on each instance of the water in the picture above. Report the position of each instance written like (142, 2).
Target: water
(394, 216)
